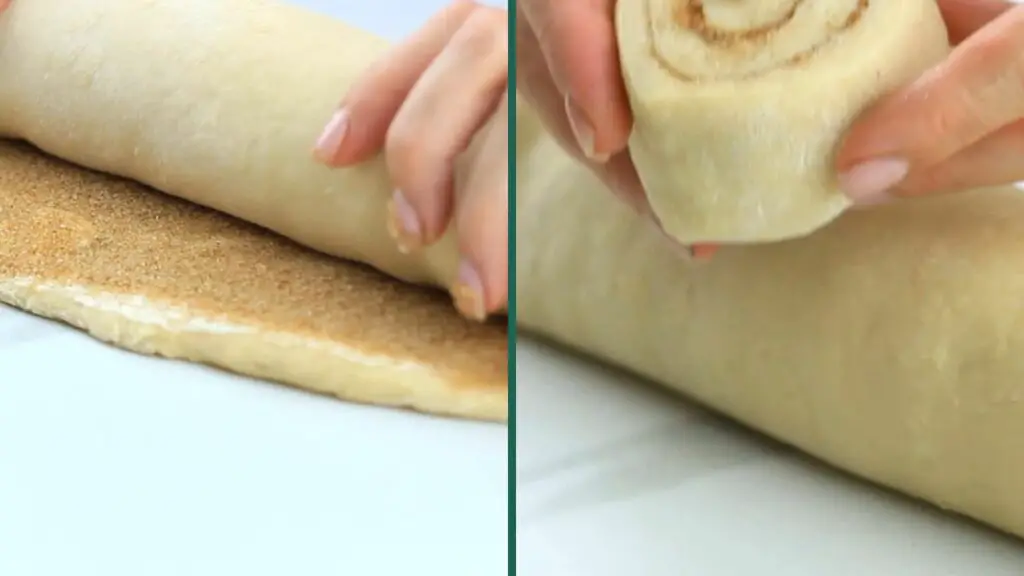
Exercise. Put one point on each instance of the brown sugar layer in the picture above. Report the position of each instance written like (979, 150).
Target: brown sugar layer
(689, 17)
(62, 225)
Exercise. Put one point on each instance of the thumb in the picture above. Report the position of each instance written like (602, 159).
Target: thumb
(975, 92)
(577, 39)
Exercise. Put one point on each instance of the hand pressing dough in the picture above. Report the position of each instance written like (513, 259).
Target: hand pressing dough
(219, 102)
(740, 105)
(215, 101)
(156, 275)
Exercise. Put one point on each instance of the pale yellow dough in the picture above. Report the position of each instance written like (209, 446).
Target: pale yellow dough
(740, 105)
(890, 343)
(321, 365)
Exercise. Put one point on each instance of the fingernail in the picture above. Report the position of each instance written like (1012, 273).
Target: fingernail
(404, 224)
(329, 143)
(583, 129)
(870, 182)
(703, 252)
(468, 293)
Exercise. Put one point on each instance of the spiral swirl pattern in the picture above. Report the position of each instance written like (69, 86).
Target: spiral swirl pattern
(737, 39)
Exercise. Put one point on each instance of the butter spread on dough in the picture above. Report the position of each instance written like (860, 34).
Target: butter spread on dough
(159, 276)
(740, 105)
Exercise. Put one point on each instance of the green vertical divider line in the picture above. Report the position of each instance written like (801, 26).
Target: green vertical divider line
(511, 288)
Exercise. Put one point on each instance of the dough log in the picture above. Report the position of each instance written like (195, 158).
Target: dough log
(889, 343)
(740, 105)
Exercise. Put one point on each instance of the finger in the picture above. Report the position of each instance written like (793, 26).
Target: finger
(965, 17)
(4, 4)
(358, 128)
(536, 85)
(976, 91)
(994, 161)
(578, 42)
(534, 82)
(481, 287)
(704, 252)
(447, 106)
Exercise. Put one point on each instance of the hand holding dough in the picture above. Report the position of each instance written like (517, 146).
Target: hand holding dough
(423, 106)
(954, 127)
(889, 343)
(740, 105)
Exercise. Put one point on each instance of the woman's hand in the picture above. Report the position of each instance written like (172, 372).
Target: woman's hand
(959, 126)
(441, 90)
(567, 66)
(4, 4)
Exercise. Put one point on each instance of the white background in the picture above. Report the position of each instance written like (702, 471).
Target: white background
(617, 478)
(113, 464)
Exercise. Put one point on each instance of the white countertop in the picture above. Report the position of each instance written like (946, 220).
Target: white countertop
(616, 477)
(114, 464)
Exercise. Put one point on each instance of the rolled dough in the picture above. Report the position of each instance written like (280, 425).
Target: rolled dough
(157, 275)
(215, 101)
(740, 105)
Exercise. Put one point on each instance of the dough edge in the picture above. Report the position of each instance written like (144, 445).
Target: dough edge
(134, 323)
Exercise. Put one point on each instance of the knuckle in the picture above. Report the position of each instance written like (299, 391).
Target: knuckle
(416, 166)
(484, 33)
(405, 156)
(483, 215)
(942, 127)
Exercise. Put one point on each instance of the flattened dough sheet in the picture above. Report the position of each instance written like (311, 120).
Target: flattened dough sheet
(157, 275)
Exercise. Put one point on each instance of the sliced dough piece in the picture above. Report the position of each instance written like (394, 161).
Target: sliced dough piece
(152, 274)
(740, 105)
